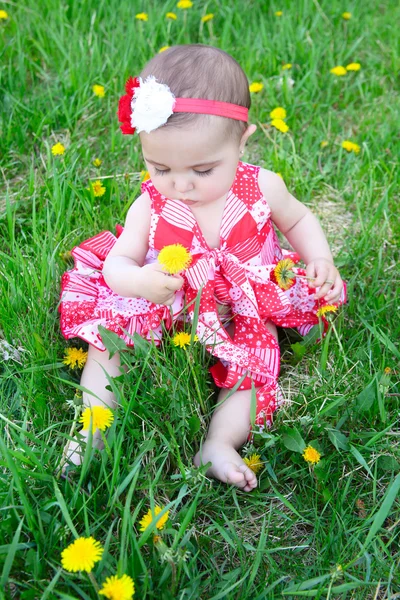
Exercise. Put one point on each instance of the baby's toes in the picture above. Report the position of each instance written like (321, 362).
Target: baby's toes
(234, 476)
(249, 475)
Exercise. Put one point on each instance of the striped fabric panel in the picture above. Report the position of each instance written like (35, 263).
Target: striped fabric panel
(175, 214)
(86, 258)
(234, 211)
(246, 250)
(101, 244)
(78, 285)
(198, 274)
(268, 249)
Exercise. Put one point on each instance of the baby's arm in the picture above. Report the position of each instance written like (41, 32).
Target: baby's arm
(303, 231)
(124, 269)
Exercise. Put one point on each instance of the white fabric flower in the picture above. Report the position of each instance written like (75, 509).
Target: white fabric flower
(152, 105)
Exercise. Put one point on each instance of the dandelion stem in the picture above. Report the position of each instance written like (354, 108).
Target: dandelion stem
(94, 582)
(201, 402)
(106, 445)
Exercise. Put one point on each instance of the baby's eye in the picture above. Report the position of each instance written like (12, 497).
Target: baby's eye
(204, 173)
(160, 171)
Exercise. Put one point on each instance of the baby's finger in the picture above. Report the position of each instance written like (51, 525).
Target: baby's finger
(323, 278)
(174, 283)
(335, 293)
(310, 274)
(169, 301)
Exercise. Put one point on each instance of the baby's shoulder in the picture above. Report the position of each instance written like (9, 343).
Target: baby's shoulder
(272, 187)
(140, 210)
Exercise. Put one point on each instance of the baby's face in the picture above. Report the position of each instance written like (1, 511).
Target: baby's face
(196, 166)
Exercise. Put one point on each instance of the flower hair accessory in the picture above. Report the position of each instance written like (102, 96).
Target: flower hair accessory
(147, 105)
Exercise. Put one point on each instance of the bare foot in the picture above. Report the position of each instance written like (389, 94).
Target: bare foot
(74, 450)
(227, 465)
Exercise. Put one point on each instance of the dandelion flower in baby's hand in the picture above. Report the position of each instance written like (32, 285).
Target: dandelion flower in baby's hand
(280, 125)
(283, 273)
(311, 455)
(255, 87)
(75, 357)
(254, 463)
(339, 71)
(174, 258)
(58, 149)
(101, 418)
(351, 146)
(118, 588)
(278, 113)
(99, 91)
(149, 516)
(328, 308)
(81, 555)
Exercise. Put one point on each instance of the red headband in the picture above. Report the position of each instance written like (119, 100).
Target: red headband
(148, 105)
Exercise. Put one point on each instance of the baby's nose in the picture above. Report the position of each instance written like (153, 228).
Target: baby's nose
(183, 185)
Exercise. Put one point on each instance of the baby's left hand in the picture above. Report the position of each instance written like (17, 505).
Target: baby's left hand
(325, 275)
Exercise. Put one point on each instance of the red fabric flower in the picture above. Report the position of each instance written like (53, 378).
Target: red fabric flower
(124, 106)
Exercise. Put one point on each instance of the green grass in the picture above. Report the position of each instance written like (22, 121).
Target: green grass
(285, 539)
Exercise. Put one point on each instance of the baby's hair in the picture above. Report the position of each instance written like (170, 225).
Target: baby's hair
(199, 71)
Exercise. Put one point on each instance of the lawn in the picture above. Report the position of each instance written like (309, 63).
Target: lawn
(329, 530)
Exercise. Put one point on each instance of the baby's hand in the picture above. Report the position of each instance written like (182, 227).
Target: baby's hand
(157, 286)
(325, 275)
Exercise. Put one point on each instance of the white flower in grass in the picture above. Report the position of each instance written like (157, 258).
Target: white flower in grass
(152, 105)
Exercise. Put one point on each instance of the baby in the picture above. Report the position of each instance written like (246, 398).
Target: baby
(190, 110)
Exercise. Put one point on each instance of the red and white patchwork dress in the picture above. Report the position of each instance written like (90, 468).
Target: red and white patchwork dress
(239, 275)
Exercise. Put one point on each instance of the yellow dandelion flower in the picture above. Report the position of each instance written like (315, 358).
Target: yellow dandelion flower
(99, 91)
(142, 16)
(346, 16)
(144, 175)
(284, 274)
(287, 66)
(171, 15)
(75, 357)
(101, 418)
(254, 463)
(311, 455)
(351, 146)
(278, 113)
(279, 174)
(208, 17)
(278, 13)
(181, 339)
(255, 87)
(97, 162)
(58, 149)
(184, 4)
(387, 370)
(163, 49)
(328, 308)
(280, 125)
(353, 67)
(3, 15)
(97, 188)
(174, 258)
(324, 144)
(81, 555)
(149, 516)
(339, 71)
(118, 588)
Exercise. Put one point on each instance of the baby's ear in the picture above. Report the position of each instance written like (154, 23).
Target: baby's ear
(249, 131)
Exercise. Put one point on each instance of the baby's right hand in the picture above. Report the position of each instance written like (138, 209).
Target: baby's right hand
(157, 286)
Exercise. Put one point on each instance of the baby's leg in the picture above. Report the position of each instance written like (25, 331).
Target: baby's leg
(94, 379)
(228, 431)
